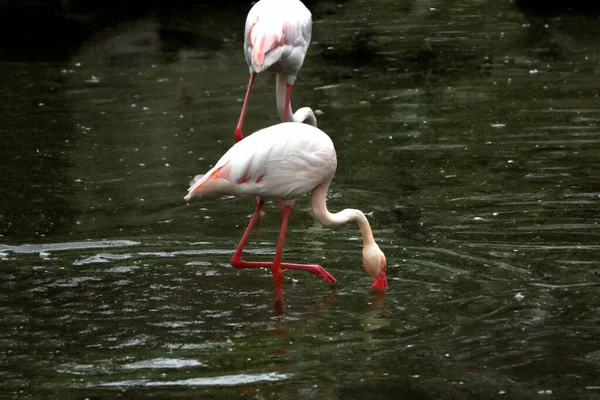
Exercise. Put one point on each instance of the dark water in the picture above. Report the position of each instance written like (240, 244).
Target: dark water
(468, 131)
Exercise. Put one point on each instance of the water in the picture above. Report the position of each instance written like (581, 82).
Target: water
(468, 131)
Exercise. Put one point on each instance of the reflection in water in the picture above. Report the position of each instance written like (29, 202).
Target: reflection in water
(372, 320)
(472, 124)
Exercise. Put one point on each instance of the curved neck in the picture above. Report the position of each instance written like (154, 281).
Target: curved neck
(318, 199)
(304, 114)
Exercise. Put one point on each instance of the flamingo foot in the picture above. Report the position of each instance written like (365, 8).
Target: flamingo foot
(320, 272)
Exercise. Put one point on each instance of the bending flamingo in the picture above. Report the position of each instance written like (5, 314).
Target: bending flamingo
(284, 162)
(276, 38)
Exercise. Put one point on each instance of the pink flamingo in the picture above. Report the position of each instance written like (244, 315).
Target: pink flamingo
(284, 162)
(276, 38)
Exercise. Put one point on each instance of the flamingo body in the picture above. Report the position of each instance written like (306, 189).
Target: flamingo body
(281, 162)
(284, 162)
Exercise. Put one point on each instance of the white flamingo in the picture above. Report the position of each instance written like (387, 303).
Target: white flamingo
(284, 162)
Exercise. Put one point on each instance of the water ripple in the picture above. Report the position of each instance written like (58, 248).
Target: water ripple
(102, 258)
(157, 363)
(225, 380)
(36, 248)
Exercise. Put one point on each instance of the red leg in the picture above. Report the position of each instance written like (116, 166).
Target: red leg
(276, 268)
(238, 263)
(288, 99)
(238, 131)
(314, 269)
(236, 260)
(256, 201)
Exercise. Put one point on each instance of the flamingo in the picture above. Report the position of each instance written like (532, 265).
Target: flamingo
(276, 38)
(284, 162)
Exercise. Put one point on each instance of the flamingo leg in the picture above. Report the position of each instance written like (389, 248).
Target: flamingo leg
(237, 262)
(256, 201)
(288, 99)
(276, 268)
(277, 265)
(238, 130)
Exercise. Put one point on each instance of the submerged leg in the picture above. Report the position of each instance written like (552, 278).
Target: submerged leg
(238, 131)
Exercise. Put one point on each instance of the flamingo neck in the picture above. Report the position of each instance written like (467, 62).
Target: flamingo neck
(319, 207)
(304, 114)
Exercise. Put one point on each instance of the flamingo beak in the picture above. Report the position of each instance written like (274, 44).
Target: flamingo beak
(380, 281)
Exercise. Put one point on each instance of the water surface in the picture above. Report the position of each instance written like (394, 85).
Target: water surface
(467, 131)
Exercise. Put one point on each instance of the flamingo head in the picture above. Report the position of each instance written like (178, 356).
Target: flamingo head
(375, 265)
(265, 41)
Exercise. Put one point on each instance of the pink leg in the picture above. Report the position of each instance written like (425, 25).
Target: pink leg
(236, 260)
(288, 99)
(238, 263)
(276, 268)
(238, 131)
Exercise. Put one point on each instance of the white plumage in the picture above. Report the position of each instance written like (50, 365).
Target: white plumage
(277, 36)
(284, 161)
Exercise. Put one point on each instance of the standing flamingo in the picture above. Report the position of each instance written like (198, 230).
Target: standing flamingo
(284, 162)
(276, 38)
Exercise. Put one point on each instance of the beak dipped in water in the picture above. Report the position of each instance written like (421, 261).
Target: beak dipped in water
(380, 281)
(374, 262)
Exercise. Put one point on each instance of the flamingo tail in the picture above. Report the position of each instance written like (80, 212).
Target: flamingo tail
(210, 182)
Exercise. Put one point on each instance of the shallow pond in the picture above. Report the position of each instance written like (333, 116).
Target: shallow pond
(466, 131)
